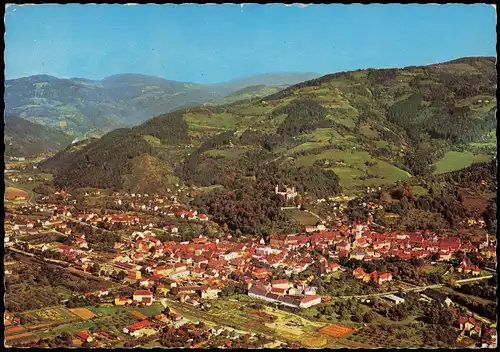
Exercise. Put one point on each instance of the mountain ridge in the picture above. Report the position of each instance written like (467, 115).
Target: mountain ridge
(369, 127)
(84, 107)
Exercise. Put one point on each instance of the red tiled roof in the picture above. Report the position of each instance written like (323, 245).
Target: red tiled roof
(277, 282)
(143, 293)
(310, 298)
(138, 325)
(83, 334)
(260, 270)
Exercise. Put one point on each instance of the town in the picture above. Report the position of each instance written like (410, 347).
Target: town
(171, 275)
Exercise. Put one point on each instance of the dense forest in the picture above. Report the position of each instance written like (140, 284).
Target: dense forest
(302, 116)
(110, 157)
(250, 207)
(447, 196)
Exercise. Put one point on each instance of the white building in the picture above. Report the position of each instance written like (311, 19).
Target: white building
(289, 194)
(394, 299)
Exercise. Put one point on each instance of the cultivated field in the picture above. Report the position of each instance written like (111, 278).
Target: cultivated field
(83, 313)
(336, 330)
(51, 314)
(453, 161)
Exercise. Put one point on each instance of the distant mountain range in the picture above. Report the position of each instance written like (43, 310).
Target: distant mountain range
(84, 108)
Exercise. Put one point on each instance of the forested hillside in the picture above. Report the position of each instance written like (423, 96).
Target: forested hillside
(362, 128)
(26, 139)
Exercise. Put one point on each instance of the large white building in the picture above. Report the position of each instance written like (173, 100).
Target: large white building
(289, 194)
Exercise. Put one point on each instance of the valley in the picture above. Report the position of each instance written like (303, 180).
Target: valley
(324, 214)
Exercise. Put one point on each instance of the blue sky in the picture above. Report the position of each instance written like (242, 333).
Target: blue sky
(215, 43)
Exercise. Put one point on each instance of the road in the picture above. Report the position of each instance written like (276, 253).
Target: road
(474, 279)
(30, 201)
(416, 289)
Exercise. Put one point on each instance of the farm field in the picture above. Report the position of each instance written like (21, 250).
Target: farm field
(453, 161)
(222, 120)
(335, 330)
(355, 166)
(15, 190)
(154, 309)
(83, 313)
(322, 135)
(306, 146)
(17, 336)
(302, 217)
(112, 323)
(440, 268)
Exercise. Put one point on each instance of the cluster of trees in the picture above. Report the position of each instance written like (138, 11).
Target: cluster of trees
(65, 340)
(33, 287)
(382, 76)
(480, 289)
(81, 301)
(487, 310)
(459, 125)
(230, 290)
(445, 199)
(312, 180)
(170, 129)
(471, 176)
(170, 337)
(100, 164)
(266, 140)
(455, 124)
(410, 307)
(144, 340)
(97, 239)
(344, 308)
(490, 216)
(250, 207)
(303, 116)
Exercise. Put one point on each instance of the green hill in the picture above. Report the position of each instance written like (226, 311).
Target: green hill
(366, 127)
(27, 139)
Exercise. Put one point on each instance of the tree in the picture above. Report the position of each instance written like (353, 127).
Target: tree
(67, 339)
(121, 275)
(368, 317)
(96, 268)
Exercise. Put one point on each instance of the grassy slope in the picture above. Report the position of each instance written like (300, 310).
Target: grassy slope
(453, 161)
